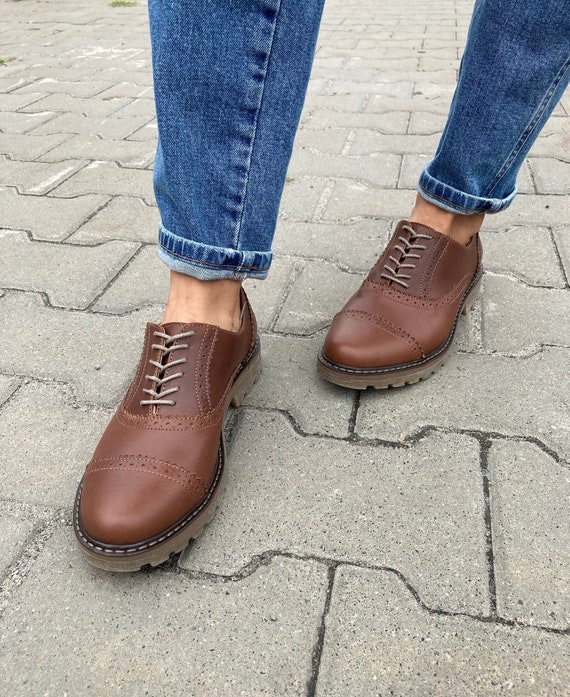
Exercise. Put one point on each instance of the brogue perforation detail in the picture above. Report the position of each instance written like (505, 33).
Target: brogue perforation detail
(413, 300)
(392, 329)
(144, 463)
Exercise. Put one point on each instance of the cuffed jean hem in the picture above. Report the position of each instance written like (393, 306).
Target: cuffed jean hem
(209, 263)
(455, 201)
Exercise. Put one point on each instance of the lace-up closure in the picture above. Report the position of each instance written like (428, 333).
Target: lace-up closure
(158, 394)
(407, 251)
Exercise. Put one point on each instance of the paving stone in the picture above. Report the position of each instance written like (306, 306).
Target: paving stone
(138, 73)
(507, 395)
(85, 88)
(417, 104)
(562, 239)
(389, 67)
(266, 296)
(37, 266)
(106, 128)
(545, 210)
(380, 641)
(125, 218)
(46, 218)
(301, 197)
(531, 543)
(320, 291)
(40, 469)
(354, 200)
(176, 634)
(108, 178)
(524, 252)
(331, 141)
(334, 102)
(7, 386)
(318, 86)
(354, 246)
(137, 108)
(419, 510)
(15, 101)
(27, 147)
(127, 89)
(551, 176)
(75, 105)
(451, 45)
(149, 132)
(412, 166)
(427, 123)
(519, 319)
(36, 177)
(404, 78)
(381, 172)
(143, 282)
(389, 123)
(370, 142)
(430, 63)
(552, 145)
(12, 83)
(102, 55)
(289, 382)
(14, 530)
(96, 354)
(14, 122)
(127, 153)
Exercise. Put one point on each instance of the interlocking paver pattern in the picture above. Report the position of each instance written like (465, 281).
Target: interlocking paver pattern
(410, 542)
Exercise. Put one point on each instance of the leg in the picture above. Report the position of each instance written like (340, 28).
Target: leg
(400, 325)
(230, 78)
(227, 122)
(514, 71)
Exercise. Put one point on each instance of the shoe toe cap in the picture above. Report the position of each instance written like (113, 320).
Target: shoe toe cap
(119, 507)
(362, 340)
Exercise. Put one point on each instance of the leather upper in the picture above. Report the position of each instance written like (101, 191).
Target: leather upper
(403, 315)
(156, 462)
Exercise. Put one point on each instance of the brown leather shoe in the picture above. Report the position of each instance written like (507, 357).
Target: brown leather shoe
(157, 472)
(398, 327)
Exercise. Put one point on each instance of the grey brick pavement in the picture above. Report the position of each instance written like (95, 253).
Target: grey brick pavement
(410, 542)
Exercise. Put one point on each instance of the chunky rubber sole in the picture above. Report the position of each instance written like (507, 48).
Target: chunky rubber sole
(157, 550)
(405, 374)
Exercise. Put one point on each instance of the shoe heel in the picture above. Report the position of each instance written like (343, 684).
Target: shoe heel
(471, 298)
(246, 380)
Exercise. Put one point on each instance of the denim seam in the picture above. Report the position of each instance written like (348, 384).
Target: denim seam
(256, 121)
(529, 129)
(200, 262)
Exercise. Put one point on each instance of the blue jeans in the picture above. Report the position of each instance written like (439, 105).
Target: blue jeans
(230, 78)
(515, 68)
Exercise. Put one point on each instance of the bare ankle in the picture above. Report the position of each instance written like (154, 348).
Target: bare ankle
(460, 228)
(211, 302)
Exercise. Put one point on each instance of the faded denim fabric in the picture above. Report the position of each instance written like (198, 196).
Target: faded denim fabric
(230, 78)
(514, 70)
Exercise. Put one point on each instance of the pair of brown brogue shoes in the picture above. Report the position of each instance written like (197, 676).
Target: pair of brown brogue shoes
(156, 475)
